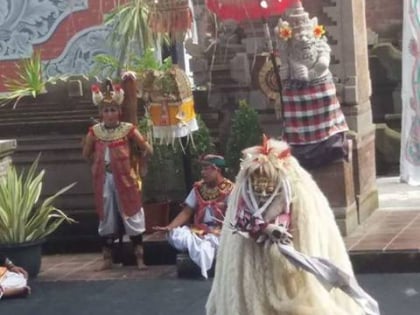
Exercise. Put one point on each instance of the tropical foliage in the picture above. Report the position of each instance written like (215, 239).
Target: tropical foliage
(108, 66)
(202, 144)
(29, 82)
(131, 33)
(23, 217)
(158, 171)
(246, 131)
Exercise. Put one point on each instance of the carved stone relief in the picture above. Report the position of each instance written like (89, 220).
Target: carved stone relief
(78, 56)
(24, 23)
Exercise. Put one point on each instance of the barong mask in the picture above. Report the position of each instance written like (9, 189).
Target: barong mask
(263, 198)
(262, 187)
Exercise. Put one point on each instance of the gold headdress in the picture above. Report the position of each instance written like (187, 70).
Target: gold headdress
(298, 23)
(113, 95)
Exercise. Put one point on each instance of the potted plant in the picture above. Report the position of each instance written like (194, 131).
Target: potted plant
(25, 220)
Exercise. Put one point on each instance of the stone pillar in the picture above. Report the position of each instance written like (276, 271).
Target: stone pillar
(6, 149)
(346, 26)
(336, 181)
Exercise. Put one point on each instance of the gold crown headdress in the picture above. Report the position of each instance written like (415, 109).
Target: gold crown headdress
(113, 94)
(297, 21)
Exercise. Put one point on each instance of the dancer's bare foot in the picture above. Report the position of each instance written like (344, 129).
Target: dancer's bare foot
(138, 252)
(106, 263)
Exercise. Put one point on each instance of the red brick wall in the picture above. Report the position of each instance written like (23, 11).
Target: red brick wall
(382, 16)
(385, 18)
(71, 25)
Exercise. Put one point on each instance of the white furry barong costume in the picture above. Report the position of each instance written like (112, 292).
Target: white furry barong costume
(252, 276)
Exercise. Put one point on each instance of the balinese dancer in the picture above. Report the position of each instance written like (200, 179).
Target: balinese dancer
(13, 279)
(281, 251)
(206, 204)
(314, 125)
(117, 184)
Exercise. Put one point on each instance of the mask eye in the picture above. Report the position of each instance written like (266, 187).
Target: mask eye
(110, 110)
(270, 189)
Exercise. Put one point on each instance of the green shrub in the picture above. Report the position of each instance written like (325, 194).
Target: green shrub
(165, 168)
(245, 132)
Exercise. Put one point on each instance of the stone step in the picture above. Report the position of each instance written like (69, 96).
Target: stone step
(37, 106)
(60, 112)
(186, 268)
(17, 129)
(157, 250)
(43, 118)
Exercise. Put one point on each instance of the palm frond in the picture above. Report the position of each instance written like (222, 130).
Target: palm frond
(131, 32)
(29, 80)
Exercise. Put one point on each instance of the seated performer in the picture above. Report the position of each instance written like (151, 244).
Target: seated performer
(116, 180)
(13, 279)
(206, 203)
(281, 251)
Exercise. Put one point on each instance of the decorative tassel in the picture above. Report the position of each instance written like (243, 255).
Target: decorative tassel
(172, 17)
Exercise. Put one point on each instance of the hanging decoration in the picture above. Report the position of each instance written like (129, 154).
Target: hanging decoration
(241, 10)
(172, 17)
(267, 80)
(171, 108)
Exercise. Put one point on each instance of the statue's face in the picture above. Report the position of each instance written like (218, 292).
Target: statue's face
(262, 186)
(304, 48)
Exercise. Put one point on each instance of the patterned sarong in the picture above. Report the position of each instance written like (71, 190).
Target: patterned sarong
(312, 113)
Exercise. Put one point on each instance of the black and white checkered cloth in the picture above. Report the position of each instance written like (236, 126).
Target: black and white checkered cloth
(312, 113)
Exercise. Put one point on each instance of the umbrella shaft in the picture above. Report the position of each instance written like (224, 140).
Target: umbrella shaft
(268, 37)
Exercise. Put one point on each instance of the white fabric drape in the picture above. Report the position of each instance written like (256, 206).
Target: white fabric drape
(201, 250)
(410, 133)
(264, 280)
(12, 280)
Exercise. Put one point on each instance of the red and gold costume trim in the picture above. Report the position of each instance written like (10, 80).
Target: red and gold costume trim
(211, 196)
(126, 179)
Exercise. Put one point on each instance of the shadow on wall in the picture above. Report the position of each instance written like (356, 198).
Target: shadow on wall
(385, 63)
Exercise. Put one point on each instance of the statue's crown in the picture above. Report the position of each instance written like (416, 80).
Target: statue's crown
(299, 19)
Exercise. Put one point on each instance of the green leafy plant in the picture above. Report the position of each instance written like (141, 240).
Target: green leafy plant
(23, 217)
(29, 81)
(132, 33)
(149, 62)
(201, 143)
(246, 131)
(108, 66)
(202, 140)
(104, 65)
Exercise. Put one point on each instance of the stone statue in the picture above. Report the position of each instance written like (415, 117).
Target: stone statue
(309, 57)
(314, 123)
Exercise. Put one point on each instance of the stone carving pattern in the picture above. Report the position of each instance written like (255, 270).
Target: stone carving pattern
(346, 84)
(78, 56)
(412, 148)
(24, 23)
(334, 33)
